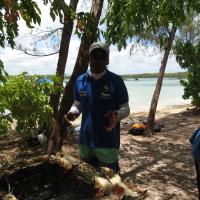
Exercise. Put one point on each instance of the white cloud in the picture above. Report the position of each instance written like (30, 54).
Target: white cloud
(120, 62)
(139, 61)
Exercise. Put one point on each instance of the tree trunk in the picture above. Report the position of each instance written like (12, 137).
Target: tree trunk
(82, 61)
(154, 101)
(80, 67)
(63, 54)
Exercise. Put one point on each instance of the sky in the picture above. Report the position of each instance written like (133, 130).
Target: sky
(140, 61)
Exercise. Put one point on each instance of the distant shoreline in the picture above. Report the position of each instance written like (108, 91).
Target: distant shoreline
(178, 75)
(160, 108)
(161, 112)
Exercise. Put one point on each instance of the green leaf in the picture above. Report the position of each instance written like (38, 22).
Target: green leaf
(52, 15)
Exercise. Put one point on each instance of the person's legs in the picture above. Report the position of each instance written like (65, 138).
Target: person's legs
(197, 166)
(100, 157)
(87, 155)
(108, 157)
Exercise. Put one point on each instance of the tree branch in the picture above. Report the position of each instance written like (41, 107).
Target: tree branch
(48, 34)
(34, 54)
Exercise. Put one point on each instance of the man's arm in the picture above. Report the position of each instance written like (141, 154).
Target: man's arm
(115, 116)
(123, 112)
(74, 111)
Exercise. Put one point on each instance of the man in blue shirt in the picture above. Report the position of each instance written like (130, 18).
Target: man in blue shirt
(102, 98)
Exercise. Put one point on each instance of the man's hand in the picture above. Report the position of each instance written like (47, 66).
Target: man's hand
(71, 116)
(112, 120)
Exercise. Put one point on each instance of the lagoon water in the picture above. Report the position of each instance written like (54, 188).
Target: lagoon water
(141, 92)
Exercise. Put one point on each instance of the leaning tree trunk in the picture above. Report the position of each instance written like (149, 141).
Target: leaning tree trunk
(81, 66)
(82, 61)
(154, 101)
(63, 54)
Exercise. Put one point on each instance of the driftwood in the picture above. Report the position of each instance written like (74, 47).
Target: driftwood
(105, 181)
(9, 196)
(106, 185)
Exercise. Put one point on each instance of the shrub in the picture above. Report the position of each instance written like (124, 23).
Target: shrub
(27, 100)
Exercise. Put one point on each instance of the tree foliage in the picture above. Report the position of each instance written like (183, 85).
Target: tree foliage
(61, 9)
(187, 50)
(84, 20)
(3, 73)
(10, 13)
(148, 21)
(5, 120)
(52, 37)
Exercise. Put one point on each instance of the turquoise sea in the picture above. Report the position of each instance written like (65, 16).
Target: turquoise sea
(141, 92)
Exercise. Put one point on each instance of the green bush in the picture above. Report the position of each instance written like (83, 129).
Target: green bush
(187, 55)
(192, 86)
(27, 100)
(5, 120)
(5, 125)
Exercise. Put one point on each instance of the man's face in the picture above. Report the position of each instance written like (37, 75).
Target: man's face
(98, 60)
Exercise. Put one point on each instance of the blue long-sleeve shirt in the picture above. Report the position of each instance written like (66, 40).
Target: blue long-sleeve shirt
(195, 141)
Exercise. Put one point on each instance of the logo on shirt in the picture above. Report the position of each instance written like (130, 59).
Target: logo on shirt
(105, 93)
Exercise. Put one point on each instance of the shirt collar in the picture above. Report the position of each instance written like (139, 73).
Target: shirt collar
(96, 76)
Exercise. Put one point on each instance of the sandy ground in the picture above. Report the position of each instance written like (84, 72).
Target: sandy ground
(163, 164)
